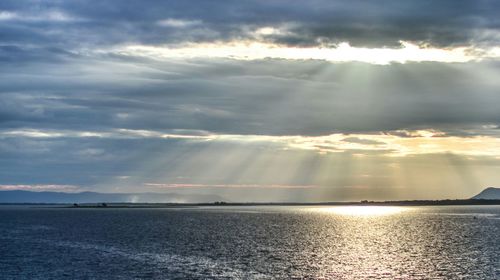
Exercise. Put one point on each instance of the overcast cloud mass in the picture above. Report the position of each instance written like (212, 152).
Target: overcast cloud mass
(251, 100)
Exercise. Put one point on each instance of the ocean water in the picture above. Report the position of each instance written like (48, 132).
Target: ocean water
(251, 243)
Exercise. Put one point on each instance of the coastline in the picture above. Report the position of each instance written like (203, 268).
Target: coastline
(115, 205)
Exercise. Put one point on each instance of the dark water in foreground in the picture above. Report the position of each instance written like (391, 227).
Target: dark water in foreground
(251, 243)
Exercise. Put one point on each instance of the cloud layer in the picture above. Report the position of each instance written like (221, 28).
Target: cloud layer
(385, 23)
(324, 100)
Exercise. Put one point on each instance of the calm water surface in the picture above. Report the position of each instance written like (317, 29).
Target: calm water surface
(251, 243)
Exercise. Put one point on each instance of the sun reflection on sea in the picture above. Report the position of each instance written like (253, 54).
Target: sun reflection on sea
(362, 211)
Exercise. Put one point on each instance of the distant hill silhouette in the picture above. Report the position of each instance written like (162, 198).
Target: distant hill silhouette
(19, 196)
(488, 193)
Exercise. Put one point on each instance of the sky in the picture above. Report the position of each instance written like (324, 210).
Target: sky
(274, 100)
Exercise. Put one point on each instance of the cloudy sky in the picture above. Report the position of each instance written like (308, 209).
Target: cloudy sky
(251, 100)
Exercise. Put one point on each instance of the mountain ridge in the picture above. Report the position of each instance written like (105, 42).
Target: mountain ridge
(23, 196)
(488, 193)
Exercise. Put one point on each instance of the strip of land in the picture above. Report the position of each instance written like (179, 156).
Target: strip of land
(446, 202)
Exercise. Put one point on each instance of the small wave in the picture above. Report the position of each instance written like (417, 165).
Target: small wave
(198, 265)
(486, 215)
(39, 227)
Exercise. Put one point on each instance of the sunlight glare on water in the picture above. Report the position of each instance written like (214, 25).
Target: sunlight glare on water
(363, 211)
(251, 242)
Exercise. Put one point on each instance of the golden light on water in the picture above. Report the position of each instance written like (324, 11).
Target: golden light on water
(363, 211)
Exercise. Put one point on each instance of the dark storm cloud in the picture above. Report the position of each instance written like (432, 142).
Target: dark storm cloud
(73, 24)
(270, 97)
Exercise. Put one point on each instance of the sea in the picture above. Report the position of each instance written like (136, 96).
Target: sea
(250, 242)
